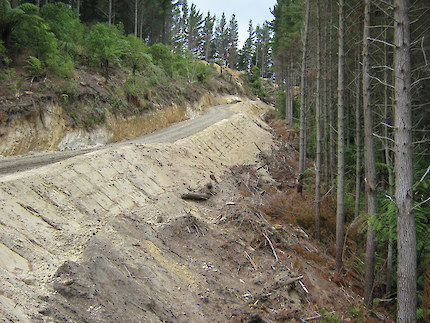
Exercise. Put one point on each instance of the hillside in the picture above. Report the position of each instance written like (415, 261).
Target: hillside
(112, 236)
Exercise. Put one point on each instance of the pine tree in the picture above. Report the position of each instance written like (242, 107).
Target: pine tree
(406, 231)
(179, 30)
(340, 216)
(265, 57)
(369, 159)
(207, 35)
(302, 147)
(318, 130)
(221, 40)
(233, 38)
(194, 29)
(247, 51)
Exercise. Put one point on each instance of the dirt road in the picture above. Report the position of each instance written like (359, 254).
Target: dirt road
(9, 165)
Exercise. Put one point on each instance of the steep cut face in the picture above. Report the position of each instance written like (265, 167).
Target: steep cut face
(104, 236)
(43, 126)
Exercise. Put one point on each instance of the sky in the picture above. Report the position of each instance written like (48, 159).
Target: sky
(257, 10)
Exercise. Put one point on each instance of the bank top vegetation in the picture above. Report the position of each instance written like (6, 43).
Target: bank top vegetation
(129, 56)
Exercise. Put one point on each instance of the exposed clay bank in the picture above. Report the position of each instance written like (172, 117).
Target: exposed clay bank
(43, 127)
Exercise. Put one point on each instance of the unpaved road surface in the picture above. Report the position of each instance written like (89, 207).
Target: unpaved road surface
(175, 132)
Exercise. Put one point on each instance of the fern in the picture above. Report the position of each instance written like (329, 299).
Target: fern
(34, 67)
(28, 8)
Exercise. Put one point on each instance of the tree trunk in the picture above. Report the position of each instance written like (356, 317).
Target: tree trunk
(319, 131)
(387, 150)
(14, 3)
(325, 104)
(302, 159)
(135, 17)
(110, 12)
(358, 142)
(289, 97)
(369, 160)
(406, 232)
(78, 8)
(331, 107)
(141, 23)
(287, 100)
(340, 217)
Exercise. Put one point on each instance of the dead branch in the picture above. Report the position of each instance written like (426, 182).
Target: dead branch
(381, 41)
(271, 246)
(257, 146)
(303, 286)
(250, 260)
(316, 317)
(292, 280)
(195, 196)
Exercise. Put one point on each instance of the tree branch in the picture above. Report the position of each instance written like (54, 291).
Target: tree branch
(418, 81)
(419, 204)
(380, 81)
(384, 67)
(382, 41)
(424, 52)
(271, 246)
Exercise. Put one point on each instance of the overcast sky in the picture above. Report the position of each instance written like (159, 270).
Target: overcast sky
(257, 10)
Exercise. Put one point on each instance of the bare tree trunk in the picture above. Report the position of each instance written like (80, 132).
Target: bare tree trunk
(135, 17)
(319, 131)
(406, 232)
(388, 163)
(289, 96)
(325, 103)
(78, 8)
(369, 160)
(287, 100)
(141, 24)
(302, 159)
(358, 142)
(332, 159)
(110, 13)
(340, 217)
(326, 135)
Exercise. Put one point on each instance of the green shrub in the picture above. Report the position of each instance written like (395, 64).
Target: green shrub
(162, 56)
(28, 8)
(58, 66)
(8, 74)
(104, 45)
(203, 72)
(136, 54)
(34, 67)
(255, 83)
(64, 23)
(34, 34)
